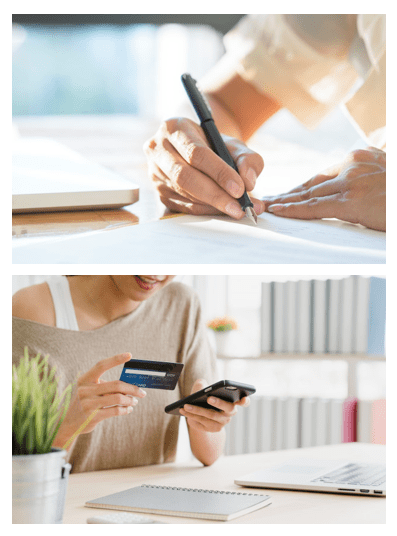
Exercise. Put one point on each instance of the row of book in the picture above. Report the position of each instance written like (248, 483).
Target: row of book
(324, 316)
(272, 423)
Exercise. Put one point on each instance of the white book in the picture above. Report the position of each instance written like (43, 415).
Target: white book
(280, 422)
(252, 428)
(321, 420)
(347, 315)
(230, 435)
(361, 314)
(292, 317)
(364, 421)
(279, 313)
(319, 316)
(307, 422)
(334, 316)
(266, 318)
(336, 421)
(304, 319)
(240, 440)
(267, 420)
(292, 423)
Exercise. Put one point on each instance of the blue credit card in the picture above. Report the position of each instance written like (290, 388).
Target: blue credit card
(151, 374)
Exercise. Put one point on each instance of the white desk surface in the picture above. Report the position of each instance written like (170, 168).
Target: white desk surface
(288, 507)
(116, 142)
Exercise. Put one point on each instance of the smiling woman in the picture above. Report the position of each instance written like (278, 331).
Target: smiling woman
(90, 326)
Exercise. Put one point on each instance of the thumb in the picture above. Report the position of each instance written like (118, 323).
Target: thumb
(199, 384)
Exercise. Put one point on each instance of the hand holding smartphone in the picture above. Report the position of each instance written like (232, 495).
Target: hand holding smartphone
(225, 389)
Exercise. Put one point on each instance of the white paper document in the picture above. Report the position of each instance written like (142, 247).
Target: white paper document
(219, 240)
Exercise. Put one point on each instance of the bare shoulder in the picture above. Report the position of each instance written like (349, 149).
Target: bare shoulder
(34, 303)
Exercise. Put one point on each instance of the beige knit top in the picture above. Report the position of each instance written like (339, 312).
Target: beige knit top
(166, 327)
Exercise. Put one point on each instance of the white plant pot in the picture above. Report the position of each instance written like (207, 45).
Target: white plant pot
(222, 340)
(39, 484)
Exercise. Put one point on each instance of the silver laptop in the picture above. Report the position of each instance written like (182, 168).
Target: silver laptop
(47, 176)
(318, 475)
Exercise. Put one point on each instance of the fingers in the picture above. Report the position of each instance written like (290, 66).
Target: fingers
(245, 401)
(106, 413)
(198, 385)
(189, 167)
(307, 189)
(211, 420)
(102, 366)
(322, 189)
(190, 182)
(250, 164)
(223, 405)
(316, 208)
(116, 386)
(116, 399)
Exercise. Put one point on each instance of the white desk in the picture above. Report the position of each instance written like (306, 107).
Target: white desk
(288, 507)
(116, 142)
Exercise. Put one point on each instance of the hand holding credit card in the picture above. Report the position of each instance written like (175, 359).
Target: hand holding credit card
(151, 374)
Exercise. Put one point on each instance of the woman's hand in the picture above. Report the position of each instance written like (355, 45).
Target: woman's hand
(210, 420)
(191, 178)
(112, 398)
(354, 191)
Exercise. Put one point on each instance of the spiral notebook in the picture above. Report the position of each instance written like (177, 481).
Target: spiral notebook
(183, 502)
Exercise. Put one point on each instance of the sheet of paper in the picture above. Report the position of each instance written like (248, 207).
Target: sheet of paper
(220, 240)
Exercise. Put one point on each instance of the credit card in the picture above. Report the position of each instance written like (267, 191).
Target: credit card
(151, 374)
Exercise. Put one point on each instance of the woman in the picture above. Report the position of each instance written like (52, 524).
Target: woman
(82, 320)
(307, 64)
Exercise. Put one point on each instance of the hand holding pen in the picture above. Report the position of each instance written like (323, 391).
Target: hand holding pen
(192, 178)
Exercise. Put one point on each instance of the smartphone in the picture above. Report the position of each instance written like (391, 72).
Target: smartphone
(224, 389)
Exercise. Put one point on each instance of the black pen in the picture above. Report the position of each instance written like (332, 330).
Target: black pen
(214, 138)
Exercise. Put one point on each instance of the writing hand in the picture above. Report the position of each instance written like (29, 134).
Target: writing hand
(191, 178)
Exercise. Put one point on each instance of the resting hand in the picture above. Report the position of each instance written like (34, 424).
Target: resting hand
(111, 398)
(191, 178)
(210, 420)
(354, 191)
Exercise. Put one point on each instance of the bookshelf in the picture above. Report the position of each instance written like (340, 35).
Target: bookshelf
(352, 361)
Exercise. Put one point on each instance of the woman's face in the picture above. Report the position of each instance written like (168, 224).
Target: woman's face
(140, 287)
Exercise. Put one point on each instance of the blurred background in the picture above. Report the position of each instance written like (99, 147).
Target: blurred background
(314, 348)
(131, 64)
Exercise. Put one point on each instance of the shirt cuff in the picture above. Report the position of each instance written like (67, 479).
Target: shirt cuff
(273, 58)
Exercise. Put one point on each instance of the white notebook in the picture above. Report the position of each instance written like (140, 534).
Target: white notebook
(183, 502)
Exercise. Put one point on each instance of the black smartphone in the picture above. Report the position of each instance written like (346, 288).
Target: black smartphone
(224, 389)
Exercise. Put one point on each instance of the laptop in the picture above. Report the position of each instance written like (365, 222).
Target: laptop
(47, 176)
(303, 474)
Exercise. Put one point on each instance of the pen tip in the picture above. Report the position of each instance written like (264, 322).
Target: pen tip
(250, 213)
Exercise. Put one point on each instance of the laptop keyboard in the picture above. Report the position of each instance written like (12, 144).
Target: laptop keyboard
(356, 473)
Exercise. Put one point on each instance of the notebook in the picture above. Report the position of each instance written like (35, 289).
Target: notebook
(183, 502)
(47, 176)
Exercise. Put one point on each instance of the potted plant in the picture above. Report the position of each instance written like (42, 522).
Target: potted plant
(221, 326)
(39, 471)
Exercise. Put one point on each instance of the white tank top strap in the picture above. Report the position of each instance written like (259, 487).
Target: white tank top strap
(65, 316)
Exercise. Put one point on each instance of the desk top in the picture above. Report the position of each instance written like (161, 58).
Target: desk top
(288, 507)
(116, 142)
(112, 141)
